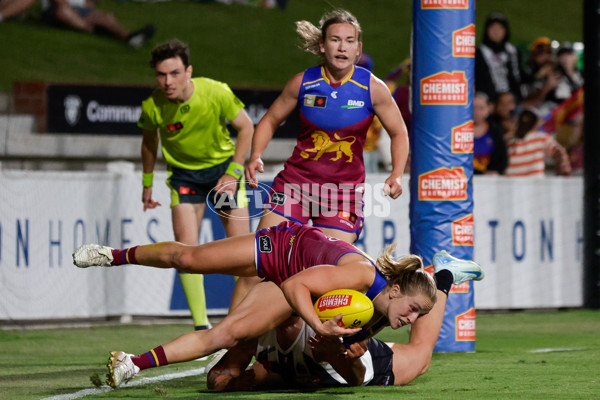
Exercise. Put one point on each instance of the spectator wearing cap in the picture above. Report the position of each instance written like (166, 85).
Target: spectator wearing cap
(497, 61)
(539, 78)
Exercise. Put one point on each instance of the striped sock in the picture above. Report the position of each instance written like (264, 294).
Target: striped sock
(153, 358)
(124, 256)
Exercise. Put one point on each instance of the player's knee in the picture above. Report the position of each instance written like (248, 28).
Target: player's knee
(224, 335)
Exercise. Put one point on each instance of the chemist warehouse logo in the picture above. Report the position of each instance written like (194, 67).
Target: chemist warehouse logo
(465, 326)
(462, 138)
(447, 4)
(444, 88)
(463, 42)
(443, 184)
(462, 231)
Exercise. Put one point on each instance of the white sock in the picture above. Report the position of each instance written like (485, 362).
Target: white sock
(1, 17)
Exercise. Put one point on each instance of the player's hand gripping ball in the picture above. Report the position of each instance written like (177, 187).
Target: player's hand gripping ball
(356, 308)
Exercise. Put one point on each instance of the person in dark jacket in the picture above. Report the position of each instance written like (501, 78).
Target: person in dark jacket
(497, 61)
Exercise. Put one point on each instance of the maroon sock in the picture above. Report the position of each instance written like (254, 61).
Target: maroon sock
(124, 256)
(153, 358)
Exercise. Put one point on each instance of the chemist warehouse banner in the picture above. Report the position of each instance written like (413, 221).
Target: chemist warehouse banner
(441, 209)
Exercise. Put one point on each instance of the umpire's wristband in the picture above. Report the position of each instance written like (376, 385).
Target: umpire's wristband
(147, 179)
(236, 170)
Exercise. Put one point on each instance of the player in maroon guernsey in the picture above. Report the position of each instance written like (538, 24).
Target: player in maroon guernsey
(298, 262)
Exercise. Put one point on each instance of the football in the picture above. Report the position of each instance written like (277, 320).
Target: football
(356, 308)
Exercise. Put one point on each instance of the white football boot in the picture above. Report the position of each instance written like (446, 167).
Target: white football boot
(120, 369)
(462, 270)
(90, 255)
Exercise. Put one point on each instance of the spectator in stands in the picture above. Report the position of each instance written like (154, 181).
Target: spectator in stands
(82, 15)
(504, 113)
(568, 77)
(489, 152)
(539, 78)
(13, 8)
(497, 61)
(204, 164)
(529, 147)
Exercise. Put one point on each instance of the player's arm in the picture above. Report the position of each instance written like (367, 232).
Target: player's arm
(245, 129)
(389, 114)
(316, 281)
(231, 374)
(413, 359)
(281, 108)
(149, 151)
(346, 361)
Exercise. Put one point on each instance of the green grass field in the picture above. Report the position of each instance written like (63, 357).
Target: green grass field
(38, 364)
(252, 47)
(244, 46)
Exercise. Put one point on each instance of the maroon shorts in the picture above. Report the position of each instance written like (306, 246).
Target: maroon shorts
(288, 248)
(326, 206)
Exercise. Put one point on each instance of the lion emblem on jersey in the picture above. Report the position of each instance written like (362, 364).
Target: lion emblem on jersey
(324, 144)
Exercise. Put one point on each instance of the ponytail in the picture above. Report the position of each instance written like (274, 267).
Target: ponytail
(407, 272)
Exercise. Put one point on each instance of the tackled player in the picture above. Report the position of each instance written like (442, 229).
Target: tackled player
(298, 262)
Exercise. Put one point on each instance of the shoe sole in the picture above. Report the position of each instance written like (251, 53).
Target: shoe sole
(110, 376)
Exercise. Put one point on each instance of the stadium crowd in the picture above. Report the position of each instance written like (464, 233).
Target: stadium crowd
(546, 80)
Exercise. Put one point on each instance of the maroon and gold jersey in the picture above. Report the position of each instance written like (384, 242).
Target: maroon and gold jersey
(334, 124)
(288, 248)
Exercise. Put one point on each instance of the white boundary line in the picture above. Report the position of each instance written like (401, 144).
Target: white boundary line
(138, 382)
(551, 350)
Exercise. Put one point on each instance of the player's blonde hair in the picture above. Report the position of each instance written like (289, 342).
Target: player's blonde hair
(407, 272)
(312, 36)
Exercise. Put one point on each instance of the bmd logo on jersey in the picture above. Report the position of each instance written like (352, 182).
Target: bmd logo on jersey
(447, 4)
(463, 42)
(444, 88)
(311, 100)
(465, 326)
(354, 104)
(462, 231)
(443, 184)
(462, 138)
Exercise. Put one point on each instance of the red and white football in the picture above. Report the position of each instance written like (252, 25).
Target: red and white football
(356, 308)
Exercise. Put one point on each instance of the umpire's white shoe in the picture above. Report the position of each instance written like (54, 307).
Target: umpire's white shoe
(462, 270)
(120, 369)
(90, 255)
